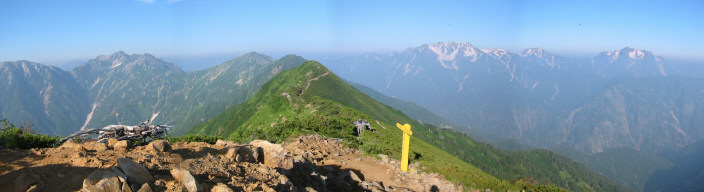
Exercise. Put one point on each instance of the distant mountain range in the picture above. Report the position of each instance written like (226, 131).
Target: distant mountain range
(128, 89)
(626, 98)
(620, 102)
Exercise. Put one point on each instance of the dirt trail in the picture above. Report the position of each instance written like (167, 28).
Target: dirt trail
(309, 80)
(306, 163)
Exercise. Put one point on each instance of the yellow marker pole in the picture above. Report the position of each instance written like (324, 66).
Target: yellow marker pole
(406, 128)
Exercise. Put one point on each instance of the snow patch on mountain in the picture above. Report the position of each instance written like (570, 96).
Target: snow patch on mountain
(613, 55)
(497, 53)
(662, 70)
(444, 51)
(447, 51)
(116, 64)
(637, 54)
(535, 52)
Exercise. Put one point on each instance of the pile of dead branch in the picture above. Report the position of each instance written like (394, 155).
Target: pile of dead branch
(143, 132)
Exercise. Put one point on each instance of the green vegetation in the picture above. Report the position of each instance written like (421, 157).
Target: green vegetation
(193, 138)
(536, 166)
(24, 138)
(309, 99)
(628, 167)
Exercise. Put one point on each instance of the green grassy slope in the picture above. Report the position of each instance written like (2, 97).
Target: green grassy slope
(628, 167)
(309, 99)
(521, 163)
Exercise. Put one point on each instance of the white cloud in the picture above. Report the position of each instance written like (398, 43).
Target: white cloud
(146, 1)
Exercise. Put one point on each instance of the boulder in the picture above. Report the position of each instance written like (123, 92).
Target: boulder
(112, 142)
(120, 175)
(159, 146)
(122, 145)
(186, 179)
(101, 180)
(221, 188)
(145, 188)
(25, 181)
(246, 153)
(274, 155)
(225, 143)
(136, 173)
(95, 146)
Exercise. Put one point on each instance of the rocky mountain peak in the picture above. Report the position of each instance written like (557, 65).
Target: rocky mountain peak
(26, 66)
(120, 59)
(632, 53)
(627, 53)
(534, 52)
(495, 52)
(448, 51)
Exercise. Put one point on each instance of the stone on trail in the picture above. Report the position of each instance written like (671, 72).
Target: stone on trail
(274, 154)
(101, 180)
(136, 173)
(186, 179)
(221, 188)
(159, 146)
(122, 145)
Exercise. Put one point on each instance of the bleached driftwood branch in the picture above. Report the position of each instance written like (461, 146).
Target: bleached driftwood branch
(141, 132)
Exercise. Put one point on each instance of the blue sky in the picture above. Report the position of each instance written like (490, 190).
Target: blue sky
(51, 31)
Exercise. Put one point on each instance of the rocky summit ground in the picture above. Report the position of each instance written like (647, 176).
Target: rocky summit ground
(305, 163)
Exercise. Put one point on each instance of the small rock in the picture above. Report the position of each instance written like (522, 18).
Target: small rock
(145, 188)
(126, 187)
(378, 185)
(122, 145)
(247, 153)
(136, 173)
(221, 187)
(366, 185)
(224, 143)
(230, 153)
(274, 155)
(266, 188)
(159, 146)
(101, 180)
(384, 158)
(186, 179)
(95, 146)
(354, 176)
(112, 142)
(120, 175)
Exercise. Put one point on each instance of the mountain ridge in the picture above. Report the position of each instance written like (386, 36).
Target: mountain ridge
(123, 88)
(311, 99)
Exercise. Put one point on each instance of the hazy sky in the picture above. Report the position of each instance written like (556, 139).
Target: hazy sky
(46, 31)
